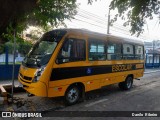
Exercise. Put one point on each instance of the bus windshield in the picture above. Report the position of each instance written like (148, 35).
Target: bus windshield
(42, 50)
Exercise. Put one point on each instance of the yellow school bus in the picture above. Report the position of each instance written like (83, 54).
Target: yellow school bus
(70, 62)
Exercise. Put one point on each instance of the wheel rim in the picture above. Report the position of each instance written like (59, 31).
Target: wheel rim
(129, 82)
(73, 95)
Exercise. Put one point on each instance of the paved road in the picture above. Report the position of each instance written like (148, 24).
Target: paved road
(144, 96)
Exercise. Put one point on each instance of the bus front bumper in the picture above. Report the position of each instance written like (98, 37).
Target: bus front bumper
(39, 88)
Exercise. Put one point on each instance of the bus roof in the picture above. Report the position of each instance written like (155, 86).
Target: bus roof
(104, 36)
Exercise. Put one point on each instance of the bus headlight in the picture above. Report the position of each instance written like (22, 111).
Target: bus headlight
(38, 74)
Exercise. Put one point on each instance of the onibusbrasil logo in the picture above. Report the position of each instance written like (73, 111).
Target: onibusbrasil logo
(21, 114)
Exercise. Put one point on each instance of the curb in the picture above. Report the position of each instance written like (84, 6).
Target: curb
(152, 71)
(5, 90)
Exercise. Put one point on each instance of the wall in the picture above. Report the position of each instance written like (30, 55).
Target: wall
(6, 72)
(10, 58)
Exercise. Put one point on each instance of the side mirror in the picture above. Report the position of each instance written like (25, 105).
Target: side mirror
(59, 61)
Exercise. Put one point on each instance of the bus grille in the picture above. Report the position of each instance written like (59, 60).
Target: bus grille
(25, 77)
(25, 81)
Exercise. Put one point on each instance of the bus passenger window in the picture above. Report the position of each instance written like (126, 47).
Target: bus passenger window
(72, 50)
(128, 52)
(96, 50)
(114, 51)
(139, 54)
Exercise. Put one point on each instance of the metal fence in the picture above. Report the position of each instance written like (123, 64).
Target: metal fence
(152, 60)
(6, 72)
(6, 66)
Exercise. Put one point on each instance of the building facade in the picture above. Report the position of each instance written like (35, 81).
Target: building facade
(152, 50)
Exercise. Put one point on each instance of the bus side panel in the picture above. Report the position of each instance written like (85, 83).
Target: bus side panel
(121, 76)
(139, 73)
(59, 87)
(93, 83)
(57, 91)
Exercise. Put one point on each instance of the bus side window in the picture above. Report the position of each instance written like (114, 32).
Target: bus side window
(96, 50)
(72, 50)
(114, 51)
(128, 52)
(139, 54)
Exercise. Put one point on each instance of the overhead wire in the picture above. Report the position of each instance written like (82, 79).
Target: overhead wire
(100, 18)
(97, 21)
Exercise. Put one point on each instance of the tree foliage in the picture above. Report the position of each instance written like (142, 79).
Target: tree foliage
(52, 12)
(12, 12)
(134, 12)
(22, 47)
(42, 13)
(137, 12)
(1, 49)
(10, 47)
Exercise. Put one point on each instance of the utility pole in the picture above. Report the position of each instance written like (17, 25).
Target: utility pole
(14, 49)
(108, 23)
(153, 53)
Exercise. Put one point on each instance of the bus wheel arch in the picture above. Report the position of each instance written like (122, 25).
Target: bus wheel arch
(76, 89)
(127, 84)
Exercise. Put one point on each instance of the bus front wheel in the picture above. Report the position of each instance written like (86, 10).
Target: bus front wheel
(127, 84)
(72, 95)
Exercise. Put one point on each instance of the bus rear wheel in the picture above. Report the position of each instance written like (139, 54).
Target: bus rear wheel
(127, 84)
(72, 95)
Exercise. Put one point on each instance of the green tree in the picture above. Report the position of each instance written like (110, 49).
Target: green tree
(44, 12)
(1, 49)
(24, 47)
(52, 12)
(10, 47)
(135, 12)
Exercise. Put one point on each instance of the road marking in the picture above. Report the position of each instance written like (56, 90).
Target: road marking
(96, 102)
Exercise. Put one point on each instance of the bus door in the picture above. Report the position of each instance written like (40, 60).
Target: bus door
(97, 59)
(69, 64)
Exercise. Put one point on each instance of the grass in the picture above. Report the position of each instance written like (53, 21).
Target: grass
(10, 63)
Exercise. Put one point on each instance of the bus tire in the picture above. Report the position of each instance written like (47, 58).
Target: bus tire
(127, 84)
(72, 95)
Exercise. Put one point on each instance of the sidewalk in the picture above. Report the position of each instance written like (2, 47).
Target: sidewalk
(9, 82)
(151, 70)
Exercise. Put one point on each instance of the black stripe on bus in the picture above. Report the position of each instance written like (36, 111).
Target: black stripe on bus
(73, 72)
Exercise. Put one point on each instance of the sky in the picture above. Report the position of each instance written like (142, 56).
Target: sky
(94, 17)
